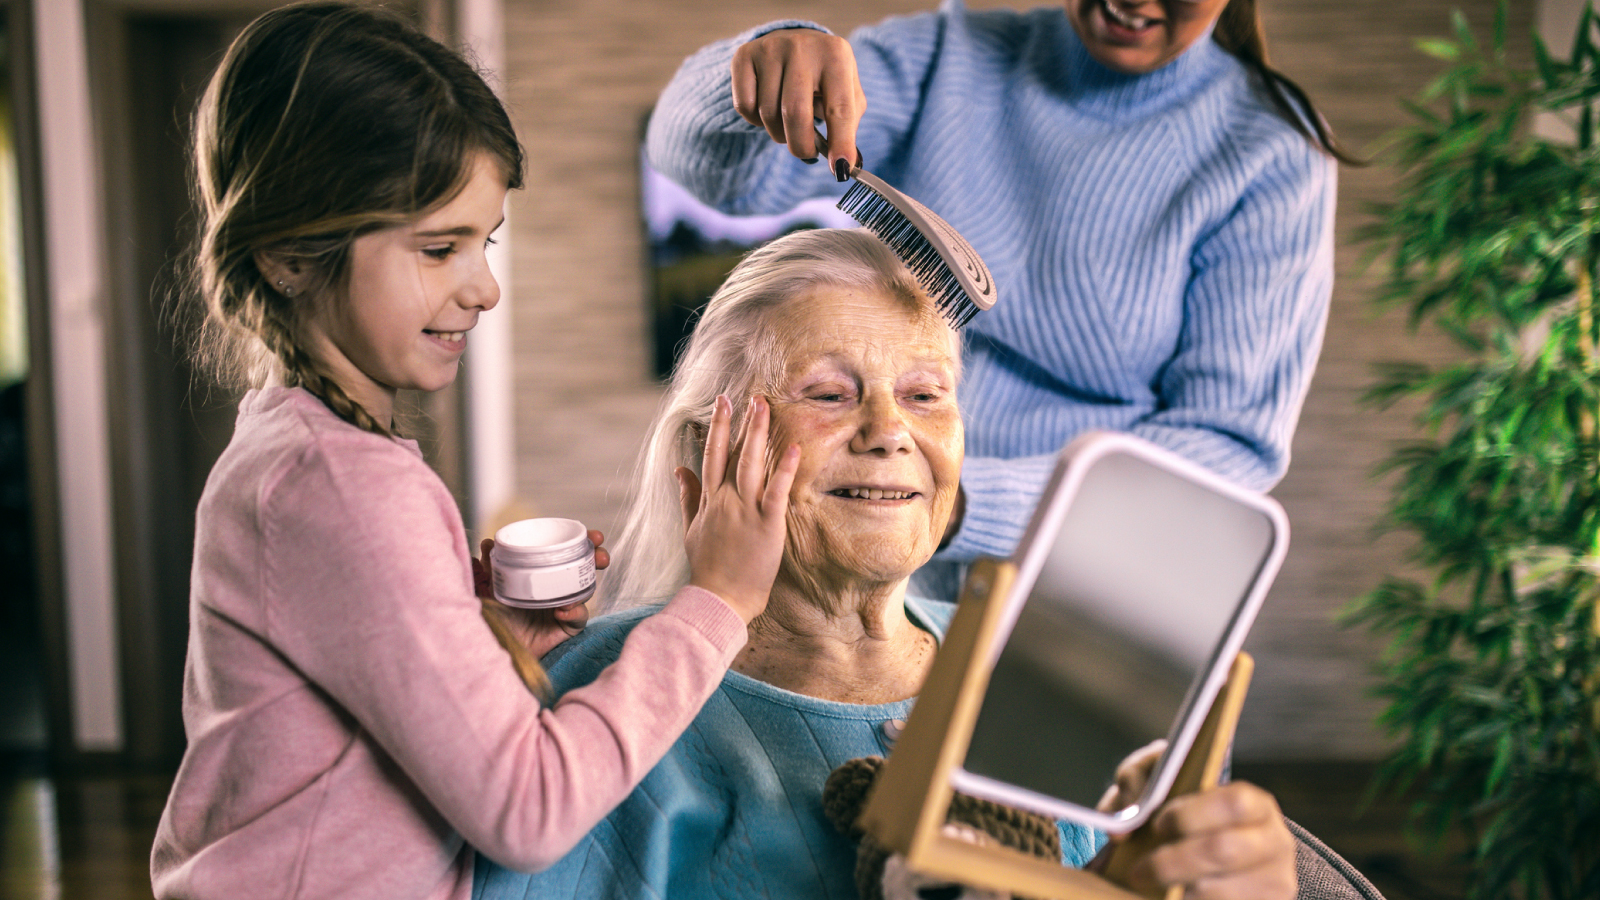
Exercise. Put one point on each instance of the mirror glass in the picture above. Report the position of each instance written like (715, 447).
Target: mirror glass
(1134, 594)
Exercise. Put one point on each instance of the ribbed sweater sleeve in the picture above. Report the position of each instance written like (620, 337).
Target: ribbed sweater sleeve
(350, 717)
(1162, 243)
(389, 628)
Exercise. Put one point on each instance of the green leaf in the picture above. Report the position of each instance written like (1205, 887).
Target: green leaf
(1463, 31)
(1487, 671)
(1440, 48)
(1549, 72)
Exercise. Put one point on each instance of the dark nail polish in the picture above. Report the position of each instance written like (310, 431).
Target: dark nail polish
(841, 169)
(810, 162)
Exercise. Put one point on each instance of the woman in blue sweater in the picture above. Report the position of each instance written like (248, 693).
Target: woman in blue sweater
(1156, 206)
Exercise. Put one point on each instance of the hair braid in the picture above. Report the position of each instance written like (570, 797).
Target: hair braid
(528, 668)
(276, 328)
(325, 121)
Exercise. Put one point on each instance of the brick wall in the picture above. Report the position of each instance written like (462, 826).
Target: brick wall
(581, 75)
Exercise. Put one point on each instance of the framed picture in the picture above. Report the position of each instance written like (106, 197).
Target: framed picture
(692, 247)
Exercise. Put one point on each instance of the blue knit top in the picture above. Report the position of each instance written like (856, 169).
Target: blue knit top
(1162, 243)
(735, 807)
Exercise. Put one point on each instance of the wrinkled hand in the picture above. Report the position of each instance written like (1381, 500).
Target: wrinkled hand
(1133, 773)
(540, 630)
(785, 80)
(734, 521)
(1226, 843)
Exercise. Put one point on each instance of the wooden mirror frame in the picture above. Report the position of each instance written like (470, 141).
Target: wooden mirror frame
(907, 808)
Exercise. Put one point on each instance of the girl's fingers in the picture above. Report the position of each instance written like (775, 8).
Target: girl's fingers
(730, 477)
(571, 619)
(775, 502)
(715, 462)
(753, 455)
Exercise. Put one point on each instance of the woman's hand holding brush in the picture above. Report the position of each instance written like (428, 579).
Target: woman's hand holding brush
(785, 80)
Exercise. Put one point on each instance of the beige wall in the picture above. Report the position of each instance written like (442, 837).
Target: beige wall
(580, 78)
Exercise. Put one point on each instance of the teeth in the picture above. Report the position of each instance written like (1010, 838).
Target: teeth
(1125, 19)
(450, 335)
(872, 494)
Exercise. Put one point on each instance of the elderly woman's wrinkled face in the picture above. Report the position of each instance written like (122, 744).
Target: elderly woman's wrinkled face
(869, 394)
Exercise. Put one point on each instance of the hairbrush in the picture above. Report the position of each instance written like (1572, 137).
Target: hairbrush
(941, 260)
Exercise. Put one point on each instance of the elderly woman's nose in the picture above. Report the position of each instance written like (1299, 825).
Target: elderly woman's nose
(883, 427)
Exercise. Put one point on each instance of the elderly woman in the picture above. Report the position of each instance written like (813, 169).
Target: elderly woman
(861, 373)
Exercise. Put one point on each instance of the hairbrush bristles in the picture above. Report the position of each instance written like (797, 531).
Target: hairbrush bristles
(944, 264)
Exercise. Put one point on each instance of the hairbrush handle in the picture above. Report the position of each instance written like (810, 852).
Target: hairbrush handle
(822, 150)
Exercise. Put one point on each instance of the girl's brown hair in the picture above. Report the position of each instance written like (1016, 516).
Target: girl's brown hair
(1239, 32)
(326, 121)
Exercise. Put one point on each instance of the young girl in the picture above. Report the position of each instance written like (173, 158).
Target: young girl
(353, 723)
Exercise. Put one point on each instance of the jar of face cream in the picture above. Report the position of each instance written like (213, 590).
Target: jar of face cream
(543, 563)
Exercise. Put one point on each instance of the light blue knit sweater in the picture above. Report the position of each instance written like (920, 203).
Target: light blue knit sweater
(735, 807)
(1162, 244)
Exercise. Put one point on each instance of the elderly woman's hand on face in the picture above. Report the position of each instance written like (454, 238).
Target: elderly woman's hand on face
(1226, 843)
(734, 519)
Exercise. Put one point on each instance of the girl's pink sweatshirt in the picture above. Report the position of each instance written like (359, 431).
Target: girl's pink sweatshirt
(354, 729)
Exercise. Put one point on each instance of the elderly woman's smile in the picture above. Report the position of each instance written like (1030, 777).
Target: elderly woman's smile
(868, 393)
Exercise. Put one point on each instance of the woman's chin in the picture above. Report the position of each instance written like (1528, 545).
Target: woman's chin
(872, 569)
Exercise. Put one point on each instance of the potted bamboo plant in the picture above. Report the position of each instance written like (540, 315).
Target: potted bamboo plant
(1492, 672)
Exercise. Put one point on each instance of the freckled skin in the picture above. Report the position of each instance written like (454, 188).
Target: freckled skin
(1179, 23)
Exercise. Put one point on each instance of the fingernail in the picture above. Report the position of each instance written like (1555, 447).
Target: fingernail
(812, 161)
(841, 169)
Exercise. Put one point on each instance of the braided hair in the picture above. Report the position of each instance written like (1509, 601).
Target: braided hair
(324, 122)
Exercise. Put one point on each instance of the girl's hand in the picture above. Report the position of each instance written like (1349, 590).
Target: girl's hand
(1226, 843)
(734, 523)
(785, 80)
(540, 630)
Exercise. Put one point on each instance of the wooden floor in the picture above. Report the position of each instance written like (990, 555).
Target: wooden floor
(88, 838)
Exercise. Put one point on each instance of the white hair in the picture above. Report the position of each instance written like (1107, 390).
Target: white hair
(735, 350)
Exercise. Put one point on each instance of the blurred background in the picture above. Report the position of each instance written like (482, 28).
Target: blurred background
(105, 438)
